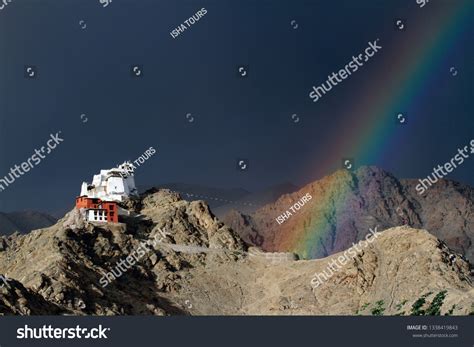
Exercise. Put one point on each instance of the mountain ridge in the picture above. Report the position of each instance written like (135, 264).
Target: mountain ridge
(57, 270)
(24, 221)
(345, 205)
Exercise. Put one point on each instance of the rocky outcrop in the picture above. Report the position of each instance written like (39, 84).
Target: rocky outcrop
(17, 300)
(65, 263)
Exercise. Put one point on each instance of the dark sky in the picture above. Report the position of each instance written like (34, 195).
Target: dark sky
(87, 71)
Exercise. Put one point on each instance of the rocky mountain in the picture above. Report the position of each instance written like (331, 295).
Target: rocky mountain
(345, 205)
(190, 263)
(65, 263)
(24, 221)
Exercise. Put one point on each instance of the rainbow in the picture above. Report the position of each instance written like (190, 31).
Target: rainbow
(373, 131)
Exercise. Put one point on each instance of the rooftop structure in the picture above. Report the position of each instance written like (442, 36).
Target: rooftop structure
(112, 185)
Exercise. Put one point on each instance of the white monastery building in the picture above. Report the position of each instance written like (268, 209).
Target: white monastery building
(111, 185)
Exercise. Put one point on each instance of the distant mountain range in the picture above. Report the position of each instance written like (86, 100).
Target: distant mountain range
(223, 200)
(215, 197)
(24, 221)
(253, 201)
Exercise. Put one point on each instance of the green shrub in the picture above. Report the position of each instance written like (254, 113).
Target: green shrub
(435, 306)
(378, 309)
(400, 305)
(416, 308)
(451, 310)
